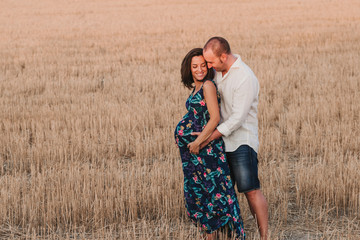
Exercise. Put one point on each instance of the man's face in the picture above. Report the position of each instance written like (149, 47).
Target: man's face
(213, 61)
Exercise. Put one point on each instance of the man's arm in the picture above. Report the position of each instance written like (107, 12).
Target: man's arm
(214, 135)
(243, 98)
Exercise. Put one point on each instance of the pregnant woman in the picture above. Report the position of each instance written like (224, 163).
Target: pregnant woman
(210, 198)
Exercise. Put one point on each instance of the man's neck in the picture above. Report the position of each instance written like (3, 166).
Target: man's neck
(229, 62)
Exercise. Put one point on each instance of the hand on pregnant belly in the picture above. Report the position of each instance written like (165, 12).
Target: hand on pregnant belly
(194, 148)
(183, 132)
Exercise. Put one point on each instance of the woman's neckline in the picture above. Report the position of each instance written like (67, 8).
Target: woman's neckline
(193, 93)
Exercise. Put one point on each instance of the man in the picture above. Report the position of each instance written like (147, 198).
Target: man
(239, 90)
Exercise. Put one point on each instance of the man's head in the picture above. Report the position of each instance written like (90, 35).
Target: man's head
(216, 53)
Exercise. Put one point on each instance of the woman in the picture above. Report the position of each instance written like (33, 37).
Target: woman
(209, 193)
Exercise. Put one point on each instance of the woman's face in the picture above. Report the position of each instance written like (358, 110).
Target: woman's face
(198, 68)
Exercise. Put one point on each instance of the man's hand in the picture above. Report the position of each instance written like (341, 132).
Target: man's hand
(215, 135)
(194, 147)
(207, 141)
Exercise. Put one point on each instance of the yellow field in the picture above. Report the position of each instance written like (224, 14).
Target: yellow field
(90, 95)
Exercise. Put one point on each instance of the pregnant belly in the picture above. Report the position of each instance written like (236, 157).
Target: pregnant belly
(183, 132)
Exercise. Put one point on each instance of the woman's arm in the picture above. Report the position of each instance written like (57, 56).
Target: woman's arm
(212, 104)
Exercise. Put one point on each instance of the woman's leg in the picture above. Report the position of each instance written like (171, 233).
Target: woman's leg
(211, 236)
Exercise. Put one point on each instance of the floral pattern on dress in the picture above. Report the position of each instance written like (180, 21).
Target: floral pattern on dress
(210, 197)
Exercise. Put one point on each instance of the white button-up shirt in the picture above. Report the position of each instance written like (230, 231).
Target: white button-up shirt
(239, 91)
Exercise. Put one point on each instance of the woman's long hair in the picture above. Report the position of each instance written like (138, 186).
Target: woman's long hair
(186, 75)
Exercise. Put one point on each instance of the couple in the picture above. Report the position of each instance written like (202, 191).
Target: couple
(216, 156)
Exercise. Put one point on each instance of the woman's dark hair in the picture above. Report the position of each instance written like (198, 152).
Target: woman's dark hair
(186, 75)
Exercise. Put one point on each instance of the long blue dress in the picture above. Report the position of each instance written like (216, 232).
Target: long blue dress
(210, 197)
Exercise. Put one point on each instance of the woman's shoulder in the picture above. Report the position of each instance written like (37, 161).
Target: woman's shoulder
(208, 83)
(209, 86)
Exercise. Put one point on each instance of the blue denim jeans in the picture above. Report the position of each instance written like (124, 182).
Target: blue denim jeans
(243, 165)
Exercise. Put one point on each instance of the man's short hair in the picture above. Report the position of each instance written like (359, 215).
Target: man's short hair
(218, 45)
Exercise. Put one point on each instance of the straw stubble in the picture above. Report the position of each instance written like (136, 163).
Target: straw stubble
(90, 95)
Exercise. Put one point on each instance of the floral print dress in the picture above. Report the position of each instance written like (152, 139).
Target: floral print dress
(210, 197)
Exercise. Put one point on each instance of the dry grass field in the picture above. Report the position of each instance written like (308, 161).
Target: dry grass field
(90, 95)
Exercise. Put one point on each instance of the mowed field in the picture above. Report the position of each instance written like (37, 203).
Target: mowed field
(90, 95)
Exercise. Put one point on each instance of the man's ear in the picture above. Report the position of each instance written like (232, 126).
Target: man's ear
(223, 57)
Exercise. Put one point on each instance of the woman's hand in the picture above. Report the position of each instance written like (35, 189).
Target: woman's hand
(214, 135)
(194, 147)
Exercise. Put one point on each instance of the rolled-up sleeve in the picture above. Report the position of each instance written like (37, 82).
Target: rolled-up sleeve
(244, 94)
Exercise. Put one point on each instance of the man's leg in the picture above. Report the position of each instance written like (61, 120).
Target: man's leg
(259, 209)
(244, 172)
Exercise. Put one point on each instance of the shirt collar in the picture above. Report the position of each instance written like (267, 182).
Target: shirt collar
(237, 62)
